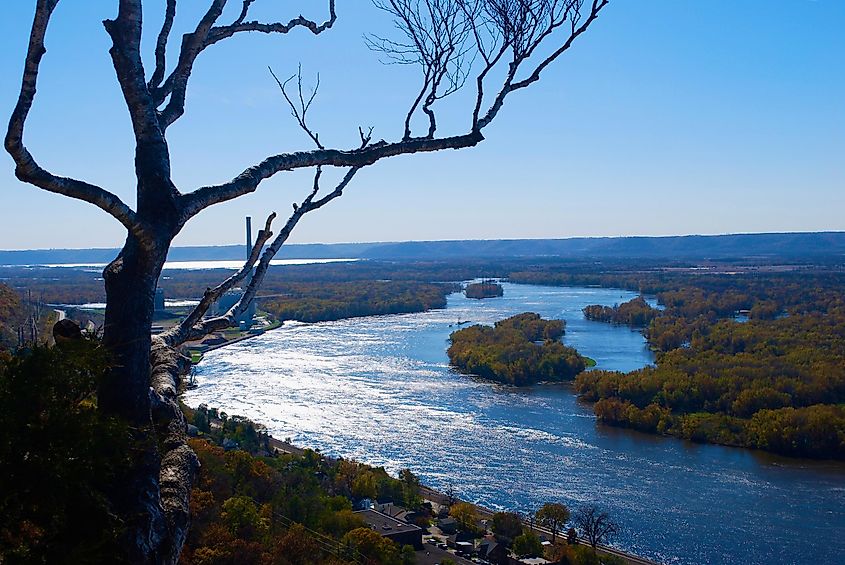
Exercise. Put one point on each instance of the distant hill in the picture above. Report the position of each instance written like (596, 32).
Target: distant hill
(770, 246)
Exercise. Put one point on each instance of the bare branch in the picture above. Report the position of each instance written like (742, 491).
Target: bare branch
(161, 45)
(176, 84)
(530, 34)
(365, 138)
(183, 331)
(201, 329)
(244, 11)
(206, 34)
(249, 179)
(26, 168)
(125, 31)
(439, 31)
(299, 112)
(436, 34)
(219, 33)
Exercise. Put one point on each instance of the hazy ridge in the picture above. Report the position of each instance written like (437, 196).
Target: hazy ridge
(765, 245)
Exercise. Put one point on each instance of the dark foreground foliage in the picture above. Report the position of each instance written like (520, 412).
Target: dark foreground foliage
(520, 350)
(11, 316)
(58, 454)
(261, 508)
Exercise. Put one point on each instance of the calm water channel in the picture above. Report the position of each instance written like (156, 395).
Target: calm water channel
(379, 390)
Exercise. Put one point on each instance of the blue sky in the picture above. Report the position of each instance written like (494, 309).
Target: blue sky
(667, 117)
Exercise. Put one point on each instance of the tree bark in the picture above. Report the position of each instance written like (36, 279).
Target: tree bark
(130, 282)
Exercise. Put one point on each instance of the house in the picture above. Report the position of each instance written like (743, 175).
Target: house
(448, 525)
(493, 551)
(395, 530)
(459, 537)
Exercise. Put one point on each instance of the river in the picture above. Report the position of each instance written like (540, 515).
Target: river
(379, 390)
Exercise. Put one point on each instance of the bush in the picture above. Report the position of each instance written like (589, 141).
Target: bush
(58, 456)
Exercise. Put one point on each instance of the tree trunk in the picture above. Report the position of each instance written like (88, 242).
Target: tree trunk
(130, 282)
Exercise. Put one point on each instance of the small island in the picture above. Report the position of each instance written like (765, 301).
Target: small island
(521, 350)
(484, 289)
(636, 313)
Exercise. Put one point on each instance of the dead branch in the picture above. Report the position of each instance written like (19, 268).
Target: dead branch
(309, 204)
(174, 88)
(435, 38)
(26, 167)
(249, 179)
(180, 333)
(161, 45)
(299, 111)
(525, 28)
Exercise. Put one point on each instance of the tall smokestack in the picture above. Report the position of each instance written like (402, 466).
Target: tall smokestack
(248, 235)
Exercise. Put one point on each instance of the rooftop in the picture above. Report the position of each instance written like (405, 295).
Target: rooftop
(384, 524)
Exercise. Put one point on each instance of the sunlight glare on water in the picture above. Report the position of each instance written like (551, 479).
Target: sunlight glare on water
(379, 390)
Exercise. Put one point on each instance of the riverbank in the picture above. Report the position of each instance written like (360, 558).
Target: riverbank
(432, 495)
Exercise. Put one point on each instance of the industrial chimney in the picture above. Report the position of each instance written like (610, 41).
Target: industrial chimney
(248, 235)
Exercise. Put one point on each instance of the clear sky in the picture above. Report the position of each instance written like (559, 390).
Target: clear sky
(667, 117)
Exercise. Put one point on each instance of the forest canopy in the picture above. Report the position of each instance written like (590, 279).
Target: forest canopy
(520, 350)
(774, 382)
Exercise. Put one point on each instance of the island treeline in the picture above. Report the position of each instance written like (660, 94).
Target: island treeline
(484, 289)
(635, 313)
(520, 350)
(309, 302)
(774, 382)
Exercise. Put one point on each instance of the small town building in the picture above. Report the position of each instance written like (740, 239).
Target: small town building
(493, 551)
(395, 530)
(448, 525)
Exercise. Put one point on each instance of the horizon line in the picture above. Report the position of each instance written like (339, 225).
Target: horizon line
(385, 242)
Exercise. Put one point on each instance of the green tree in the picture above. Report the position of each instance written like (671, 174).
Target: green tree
(241, 516)
(410, 488)
(553, 516)
(528, 545)
(58, 456)
(465, 515)
(507, 526)
(373, 546)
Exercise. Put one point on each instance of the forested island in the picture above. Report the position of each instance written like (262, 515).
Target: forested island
(484, 289)
(309, 302)
(635, 313)
(521, 350)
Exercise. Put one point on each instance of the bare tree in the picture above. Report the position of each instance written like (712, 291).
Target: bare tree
(451, 41)
(595, 525)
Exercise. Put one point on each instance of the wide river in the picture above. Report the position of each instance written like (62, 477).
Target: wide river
(380, 390)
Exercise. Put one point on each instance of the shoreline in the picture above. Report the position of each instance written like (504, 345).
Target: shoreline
(433, 495)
